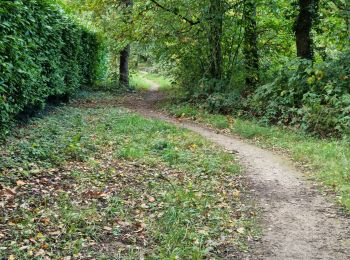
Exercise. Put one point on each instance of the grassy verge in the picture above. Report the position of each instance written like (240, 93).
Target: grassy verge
(328, 160)
(143, 81)
(91, 180)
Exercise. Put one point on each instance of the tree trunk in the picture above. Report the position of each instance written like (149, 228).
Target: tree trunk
(124, 67)
(125, 53)
(216, 12)
(303, 26)
(251, 46)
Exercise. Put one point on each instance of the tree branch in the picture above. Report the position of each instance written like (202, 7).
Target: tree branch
(174, 12)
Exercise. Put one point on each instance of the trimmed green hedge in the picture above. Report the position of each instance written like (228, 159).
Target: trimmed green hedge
(43, 53)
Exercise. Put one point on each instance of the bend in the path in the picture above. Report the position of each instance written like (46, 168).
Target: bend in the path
(154, 86)
(297, 222)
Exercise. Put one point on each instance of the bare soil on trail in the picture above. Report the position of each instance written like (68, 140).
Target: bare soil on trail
(297, 221)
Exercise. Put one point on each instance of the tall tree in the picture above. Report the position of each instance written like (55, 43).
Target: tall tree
(251, 45)
(125, 53)
(216, 14)
(303, 26)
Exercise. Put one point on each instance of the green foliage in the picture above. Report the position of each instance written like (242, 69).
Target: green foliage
(223, 102)
(315, 98)
(254, 43)
(42, 54)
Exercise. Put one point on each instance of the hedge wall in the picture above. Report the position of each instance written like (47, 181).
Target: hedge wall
(42, 54)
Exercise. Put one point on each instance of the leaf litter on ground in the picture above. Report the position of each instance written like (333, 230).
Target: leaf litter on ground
(99, 181)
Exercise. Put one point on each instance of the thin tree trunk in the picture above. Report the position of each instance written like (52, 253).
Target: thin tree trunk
(303, 26)
(124, 67)
(125, 54)
(251, 46)
(216, 11)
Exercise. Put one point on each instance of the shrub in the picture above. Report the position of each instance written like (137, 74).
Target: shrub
(315, 98)
(224, 103)
(42, 54)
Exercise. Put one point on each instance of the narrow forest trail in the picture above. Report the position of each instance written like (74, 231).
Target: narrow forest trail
(297, 221)
(153, 85)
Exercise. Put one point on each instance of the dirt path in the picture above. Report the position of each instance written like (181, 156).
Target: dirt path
(153, 85)
(297, 222)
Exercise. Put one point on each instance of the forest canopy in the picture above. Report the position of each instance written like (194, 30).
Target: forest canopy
(285, 62)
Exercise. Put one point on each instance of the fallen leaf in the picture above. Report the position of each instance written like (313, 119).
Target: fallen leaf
(124, 223)
(55, 233)
(45, 246)
(236, 193)
(20, 183)
(107, 228)
(241, 230)
(41, 252)
(45, 221)
(8, 192)
(39, 235)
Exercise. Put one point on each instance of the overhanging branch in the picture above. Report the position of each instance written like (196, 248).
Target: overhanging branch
(176, 13)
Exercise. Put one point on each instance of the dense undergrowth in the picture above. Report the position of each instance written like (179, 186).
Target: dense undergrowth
(314, 98)
(43, 53)
(326, 160)
(91, 180)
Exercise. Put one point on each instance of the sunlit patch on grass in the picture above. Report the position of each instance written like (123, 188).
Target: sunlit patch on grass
(145, 80)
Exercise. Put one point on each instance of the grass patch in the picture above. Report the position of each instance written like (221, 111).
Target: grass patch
(144, 80)
(138, 81)
(328, 159)
(91, 180)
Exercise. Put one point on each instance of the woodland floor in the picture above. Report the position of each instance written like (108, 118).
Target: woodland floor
(92, 180)
(297, 221)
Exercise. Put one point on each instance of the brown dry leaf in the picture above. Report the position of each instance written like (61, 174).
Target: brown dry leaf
(124, 223)
(11, 257)
(151, 199)
(95, 194)
(241, 230)
(45, 246)
(41, 252)
(107, 228)
(20, 183)
(45, 221)
(9, 192)
(236, 193)
(55, 233)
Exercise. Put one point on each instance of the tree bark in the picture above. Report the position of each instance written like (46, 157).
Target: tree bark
(216, 11)
(250, 48)
(303, 26)
(124, 67)
(125, 54)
